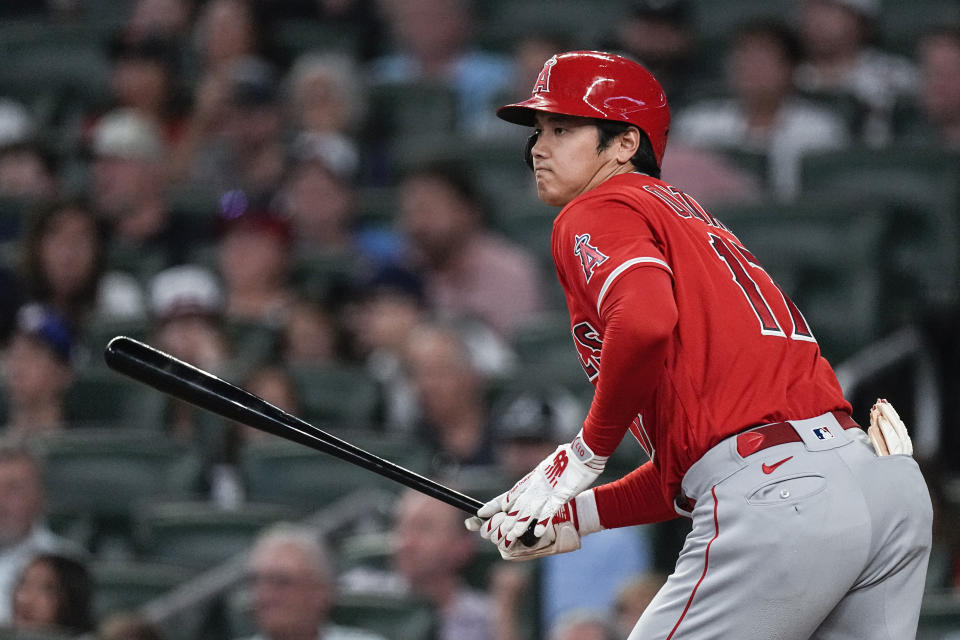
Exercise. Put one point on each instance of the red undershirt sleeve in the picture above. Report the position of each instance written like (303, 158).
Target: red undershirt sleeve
(634, 499)
(638, 315)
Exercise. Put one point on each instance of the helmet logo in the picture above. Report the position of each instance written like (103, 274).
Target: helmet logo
(543, 80)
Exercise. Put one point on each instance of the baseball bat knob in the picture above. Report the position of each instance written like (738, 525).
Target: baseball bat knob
(528, 539)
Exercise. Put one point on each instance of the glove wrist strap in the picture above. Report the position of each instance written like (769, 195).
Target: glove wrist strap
(588, 519)
(585, 454)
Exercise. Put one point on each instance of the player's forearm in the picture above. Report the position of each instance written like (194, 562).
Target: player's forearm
(639, 316)
(633, 499)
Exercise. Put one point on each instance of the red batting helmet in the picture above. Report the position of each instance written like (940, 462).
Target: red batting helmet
(594, 84)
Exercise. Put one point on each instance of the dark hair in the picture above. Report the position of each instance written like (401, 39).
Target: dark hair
(38, 286)
(455, 174)
(74, 611)
(643, 160)
(776, 32)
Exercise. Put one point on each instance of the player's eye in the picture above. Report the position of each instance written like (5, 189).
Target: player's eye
(559, 131)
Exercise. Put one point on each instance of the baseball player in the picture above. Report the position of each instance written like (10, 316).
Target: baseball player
(801, 529)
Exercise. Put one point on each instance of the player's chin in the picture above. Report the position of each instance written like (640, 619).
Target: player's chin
(550, 196)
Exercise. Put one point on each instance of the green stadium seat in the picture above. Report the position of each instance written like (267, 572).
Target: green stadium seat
(107, 473)
(545, 348)
(125, 585)
(13, 634)
(939, 616)
(199, 535)
(297, 37)
(101, 397)
(319, 274)
(918, 191)
(823, 256)
(283, 472)
(411, 109)
(337, 395)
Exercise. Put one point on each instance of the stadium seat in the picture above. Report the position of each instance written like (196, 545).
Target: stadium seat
(336, 396)
(123, 586)
(918, 192)
(283, 472)
(198, 535)
(101, 397)
(106, 473)
(13, 634)
(546, 350)
(296, 37)
(322, 274)
(823, 256)
(939, 616)
(411, 109)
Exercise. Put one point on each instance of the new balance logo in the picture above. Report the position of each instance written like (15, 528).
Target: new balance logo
(555, 470)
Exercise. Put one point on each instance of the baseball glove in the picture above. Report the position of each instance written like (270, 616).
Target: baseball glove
(887, 432)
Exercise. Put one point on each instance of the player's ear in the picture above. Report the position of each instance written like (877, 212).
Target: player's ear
(627, 143)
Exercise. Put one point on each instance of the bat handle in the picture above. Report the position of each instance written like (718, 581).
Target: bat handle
(528, 539)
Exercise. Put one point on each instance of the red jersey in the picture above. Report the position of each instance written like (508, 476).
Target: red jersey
(729, 350)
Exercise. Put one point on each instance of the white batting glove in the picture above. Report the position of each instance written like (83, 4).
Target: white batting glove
(574, 520)
(562, 475)
(888, 434)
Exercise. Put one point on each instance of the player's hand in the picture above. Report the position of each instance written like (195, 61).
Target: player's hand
(887, 432)
(574, 520)
(559, 477)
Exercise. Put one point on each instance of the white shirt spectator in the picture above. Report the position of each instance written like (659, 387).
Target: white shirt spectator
(800, 127)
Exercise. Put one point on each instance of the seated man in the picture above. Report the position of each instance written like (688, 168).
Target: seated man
(293, 588)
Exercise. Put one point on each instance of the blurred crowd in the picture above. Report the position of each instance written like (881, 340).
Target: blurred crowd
(315, 200)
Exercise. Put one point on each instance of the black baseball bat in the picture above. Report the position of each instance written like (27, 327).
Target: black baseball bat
(179, 379)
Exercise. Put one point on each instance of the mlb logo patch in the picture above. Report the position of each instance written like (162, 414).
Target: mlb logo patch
(823, 433)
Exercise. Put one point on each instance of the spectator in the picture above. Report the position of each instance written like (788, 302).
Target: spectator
(433, 44)
(166, 19)
(468, 270)
(186, 304)
(144, 77)
(320, 196)
(389, 307)
(325, 94)
(64, 256)
(28, 172)
(527, 425)
(54, 593)
(37, 372)
(129, 190)
(840, 60)
(23, 531)
(662, 36)
(310, 335)
(127, 626)
(234, 88)
(430, 556)
(584, 625)
(633, 598)
(293, 587)
(764, 114)
(450, 395)
(253, 256)
(939, 55)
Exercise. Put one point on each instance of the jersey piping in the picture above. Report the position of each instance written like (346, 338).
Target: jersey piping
(623, 267)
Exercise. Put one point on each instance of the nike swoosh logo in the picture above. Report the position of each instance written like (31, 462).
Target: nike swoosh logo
(770, 468)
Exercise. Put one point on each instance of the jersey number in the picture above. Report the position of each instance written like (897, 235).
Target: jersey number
(738, 260)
